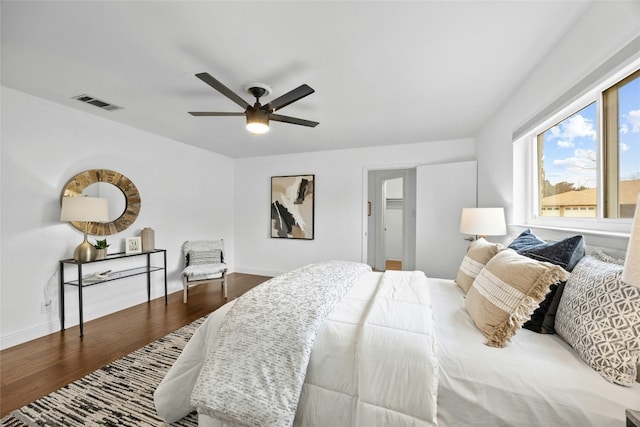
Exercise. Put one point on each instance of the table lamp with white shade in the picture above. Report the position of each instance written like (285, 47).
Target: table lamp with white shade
(84, 209)
(483, 222)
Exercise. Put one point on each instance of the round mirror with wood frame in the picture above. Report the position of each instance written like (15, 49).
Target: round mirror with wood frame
(76, 185)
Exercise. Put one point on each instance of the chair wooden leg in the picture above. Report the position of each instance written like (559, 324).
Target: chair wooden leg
(224, 284)
(186, 289)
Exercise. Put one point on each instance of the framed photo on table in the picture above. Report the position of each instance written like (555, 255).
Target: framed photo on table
(133, 245)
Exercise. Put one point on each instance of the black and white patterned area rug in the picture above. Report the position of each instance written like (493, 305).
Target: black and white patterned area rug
(118, 394)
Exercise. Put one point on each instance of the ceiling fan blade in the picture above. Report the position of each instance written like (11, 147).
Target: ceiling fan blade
(213, 113)
(214, 83)
(293, 120)
(289, 97)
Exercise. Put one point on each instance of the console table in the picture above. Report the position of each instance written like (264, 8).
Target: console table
(83, 282)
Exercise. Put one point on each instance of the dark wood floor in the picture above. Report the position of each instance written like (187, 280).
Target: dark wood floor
(34, 369)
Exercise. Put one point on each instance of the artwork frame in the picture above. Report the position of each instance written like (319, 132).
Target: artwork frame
(133, 245)
(293, 207)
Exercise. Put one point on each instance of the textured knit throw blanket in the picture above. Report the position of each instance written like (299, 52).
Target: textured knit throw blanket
(256, 367)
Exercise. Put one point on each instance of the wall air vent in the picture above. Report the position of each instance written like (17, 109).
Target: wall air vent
(97, 102)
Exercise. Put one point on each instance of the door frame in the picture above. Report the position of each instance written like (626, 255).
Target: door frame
(382, 174)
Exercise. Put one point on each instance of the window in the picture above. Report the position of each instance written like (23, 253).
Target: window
(622, 147)
(567, 176)
(588, 163)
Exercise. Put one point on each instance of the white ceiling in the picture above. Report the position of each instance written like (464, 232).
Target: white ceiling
(384, 72)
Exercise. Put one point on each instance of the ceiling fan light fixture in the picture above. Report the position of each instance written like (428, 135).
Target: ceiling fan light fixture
(257, 122)
(257, 115)
(257, 128)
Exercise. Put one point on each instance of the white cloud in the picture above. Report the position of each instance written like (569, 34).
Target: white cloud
(565, 144)
(582, 160)
(555, 132)
(574, 127)
(634, 119)
(623, 146)
(624, 129)
(578, 126)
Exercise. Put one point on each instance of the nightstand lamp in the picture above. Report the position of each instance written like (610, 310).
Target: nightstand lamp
(84, 209)
(483, 222)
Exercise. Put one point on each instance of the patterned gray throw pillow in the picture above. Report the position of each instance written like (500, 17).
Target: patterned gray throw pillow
(599, 316)
(205, 257)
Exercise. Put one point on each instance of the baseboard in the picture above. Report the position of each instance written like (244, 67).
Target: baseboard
(23, 336)
(258, 272)
(72, 319)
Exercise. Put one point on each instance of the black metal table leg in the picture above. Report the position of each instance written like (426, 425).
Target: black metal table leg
(81, 324)
(165, 277)
(148, 277)
(61, 296)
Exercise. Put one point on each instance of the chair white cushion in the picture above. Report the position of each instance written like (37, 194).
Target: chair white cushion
(204, 271)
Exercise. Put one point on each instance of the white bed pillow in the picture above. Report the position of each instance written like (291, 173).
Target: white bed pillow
(599, 316)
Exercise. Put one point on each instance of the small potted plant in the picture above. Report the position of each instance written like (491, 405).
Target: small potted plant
(101, 248)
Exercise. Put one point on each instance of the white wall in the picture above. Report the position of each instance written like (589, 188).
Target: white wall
(446, 189)
(340, 200)
(187, 193)
(603, 30)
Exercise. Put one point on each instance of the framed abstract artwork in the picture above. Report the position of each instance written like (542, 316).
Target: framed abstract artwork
(292, 206)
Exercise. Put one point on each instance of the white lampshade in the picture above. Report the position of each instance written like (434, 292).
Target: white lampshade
(93, 209)
(84, 209)
(483, 221)
(631, 272)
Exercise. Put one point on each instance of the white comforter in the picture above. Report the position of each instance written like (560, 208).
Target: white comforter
(255, 368)
(373, 363)
(536, 380)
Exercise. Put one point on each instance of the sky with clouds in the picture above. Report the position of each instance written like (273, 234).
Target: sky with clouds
(570, 146)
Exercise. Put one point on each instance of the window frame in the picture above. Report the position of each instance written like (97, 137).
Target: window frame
(611, 152)
(526, 179)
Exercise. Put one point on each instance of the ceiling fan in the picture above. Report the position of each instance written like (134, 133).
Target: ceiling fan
(258, 115)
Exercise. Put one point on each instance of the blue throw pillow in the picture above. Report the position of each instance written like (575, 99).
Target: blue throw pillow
(526, 238)
(566, 253)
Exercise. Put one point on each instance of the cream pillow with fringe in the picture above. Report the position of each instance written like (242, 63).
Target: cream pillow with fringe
(478, 254)
(507, 291)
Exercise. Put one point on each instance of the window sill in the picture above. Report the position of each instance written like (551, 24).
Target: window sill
(602, 233)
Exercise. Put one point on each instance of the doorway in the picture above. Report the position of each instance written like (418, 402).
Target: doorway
(391, 219)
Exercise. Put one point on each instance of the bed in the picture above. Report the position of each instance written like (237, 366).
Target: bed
(401, 349)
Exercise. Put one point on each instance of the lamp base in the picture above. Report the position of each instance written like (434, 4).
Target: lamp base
(85, 252)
